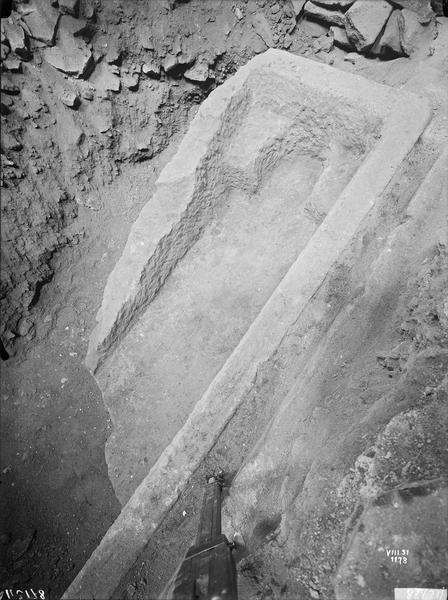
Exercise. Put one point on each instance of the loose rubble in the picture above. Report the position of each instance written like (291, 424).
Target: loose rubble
(384, 28)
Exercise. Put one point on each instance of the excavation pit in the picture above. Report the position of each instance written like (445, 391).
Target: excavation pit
(276, 173)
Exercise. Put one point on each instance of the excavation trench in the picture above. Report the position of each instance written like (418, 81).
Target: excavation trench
(272, 181)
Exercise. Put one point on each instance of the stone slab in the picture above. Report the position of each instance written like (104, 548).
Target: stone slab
(42, 22)
(340, 38)
(414, 36)
(365, 21)
(421, 7)
(16, 37)
(325, 15)
(403, 117)
(390, 41)
(70, 55)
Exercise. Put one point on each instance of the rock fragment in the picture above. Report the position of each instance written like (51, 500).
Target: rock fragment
(323, 43)
(332, 17)
(69, 7)
(238, 13)
(88, 94)
(33, 101)
(390, 42)
(130, 82)
(76, 27)
(5, 104)
(23, 328)
(182, 59)
(71, 55)
(42, 23)
(70, 99)
(352, 57)
(198, 73)
(17, 39)
(102, 116)
(4, 51)
(170, 63)
(340, 38)
(287, 42)
(77, 62)
(151, 69)
(413, 35)
(9, 142)
(422, 7)
(113, 55)
(89, 11)
(13, 64)
(262, 28)
(365, 21)
(8, 86)
(104, 79)
(298, 7)
(69, 132)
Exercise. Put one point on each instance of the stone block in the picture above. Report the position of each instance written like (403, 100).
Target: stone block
(42, 23)
(340, 38)
(364, 22)
(70, 55)
(69, 7)
(390, 42)
(151, 69)
(17, 38)
(198, 73)
(104, 79)
(130, 82)
(332, 17)
(413, 35)
(422, 8)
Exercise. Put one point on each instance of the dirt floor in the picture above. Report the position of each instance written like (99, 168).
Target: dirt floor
(57, 499)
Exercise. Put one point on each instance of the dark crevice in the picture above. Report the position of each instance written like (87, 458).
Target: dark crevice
(3, 352)
(5, 8)
(37, 291)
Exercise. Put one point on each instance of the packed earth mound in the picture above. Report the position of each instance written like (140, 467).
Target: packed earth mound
(338, 447)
